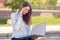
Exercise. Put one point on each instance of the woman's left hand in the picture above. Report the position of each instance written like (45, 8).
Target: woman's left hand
(34, 37)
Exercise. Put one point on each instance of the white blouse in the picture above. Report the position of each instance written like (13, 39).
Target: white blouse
(20, 29)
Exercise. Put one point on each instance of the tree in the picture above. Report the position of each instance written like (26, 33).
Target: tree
(33, 2)
(42, 2)
(52, 2)
(14, 4)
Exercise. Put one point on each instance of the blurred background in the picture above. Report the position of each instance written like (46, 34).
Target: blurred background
(43, 11)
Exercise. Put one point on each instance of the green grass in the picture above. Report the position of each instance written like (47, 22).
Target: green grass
(50, 20)
(5, 25)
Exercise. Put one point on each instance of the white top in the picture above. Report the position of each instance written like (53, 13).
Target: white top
(20, 29)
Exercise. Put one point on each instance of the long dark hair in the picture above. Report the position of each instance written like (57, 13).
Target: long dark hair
(27, 17)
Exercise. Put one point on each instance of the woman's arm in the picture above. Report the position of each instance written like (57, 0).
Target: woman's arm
(16, 20)
(18, 24)
(13, 18)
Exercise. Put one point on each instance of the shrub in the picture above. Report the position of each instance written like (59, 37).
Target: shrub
(3, 21)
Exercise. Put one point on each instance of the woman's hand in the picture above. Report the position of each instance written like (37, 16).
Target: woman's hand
(34, 37)
(21, 12)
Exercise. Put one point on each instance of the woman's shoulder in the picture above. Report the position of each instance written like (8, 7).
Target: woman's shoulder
(14, 13)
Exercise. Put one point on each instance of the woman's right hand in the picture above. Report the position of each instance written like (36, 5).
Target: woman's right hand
(21, 12)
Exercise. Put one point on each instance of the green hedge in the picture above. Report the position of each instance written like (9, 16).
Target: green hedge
(3, 21)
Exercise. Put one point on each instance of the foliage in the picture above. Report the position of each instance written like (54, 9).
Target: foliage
(52, 2)
(3, 21)
(14, 4)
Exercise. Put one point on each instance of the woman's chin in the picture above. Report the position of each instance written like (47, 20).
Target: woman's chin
(25, 14)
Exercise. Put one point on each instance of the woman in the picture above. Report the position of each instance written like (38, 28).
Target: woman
(21, 21)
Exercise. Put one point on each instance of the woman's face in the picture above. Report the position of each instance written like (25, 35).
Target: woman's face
(26, 10)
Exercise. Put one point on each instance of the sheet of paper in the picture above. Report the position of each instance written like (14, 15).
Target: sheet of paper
(39, 29)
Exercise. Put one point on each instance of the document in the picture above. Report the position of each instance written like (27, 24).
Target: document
(39, 29)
